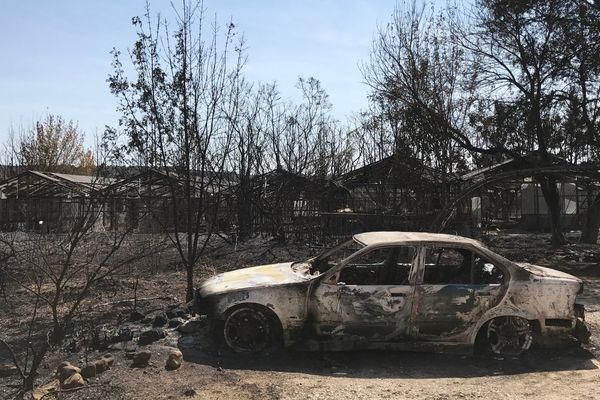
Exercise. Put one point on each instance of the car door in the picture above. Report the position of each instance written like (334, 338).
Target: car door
(369, 297)
(456, 287)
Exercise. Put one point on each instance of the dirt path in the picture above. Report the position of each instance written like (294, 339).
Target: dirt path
(542, 374)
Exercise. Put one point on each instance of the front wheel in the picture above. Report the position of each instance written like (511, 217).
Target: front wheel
(247, 330)
(508, 336)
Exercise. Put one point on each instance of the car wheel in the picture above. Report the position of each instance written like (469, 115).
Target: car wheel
(508, 336)
(247, 330)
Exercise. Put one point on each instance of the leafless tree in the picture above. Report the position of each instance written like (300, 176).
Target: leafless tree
(421, 91)
(304, 138)
(248, 114)
(172, 116)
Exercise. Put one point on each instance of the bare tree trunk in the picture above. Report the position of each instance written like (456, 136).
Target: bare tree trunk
(589, 233)
(244, 210)
(38, 357)
(189, 291)
(552, 198)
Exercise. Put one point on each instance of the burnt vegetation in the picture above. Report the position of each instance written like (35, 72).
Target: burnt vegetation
(481, 120)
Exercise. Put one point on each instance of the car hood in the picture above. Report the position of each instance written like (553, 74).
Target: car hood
(251, 278)
(547, 272)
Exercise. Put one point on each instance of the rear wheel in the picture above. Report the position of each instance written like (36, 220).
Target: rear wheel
(508, 336)
(248, 330)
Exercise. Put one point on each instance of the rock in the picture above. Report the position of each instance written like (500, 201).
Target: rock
(104, 363)
(174, 360)
(141, 358)
(110, 360)
(171, 313)
(101, 365)
(74, 381)
(175, 322)
(189, 392)
(151, 335)
(65, 370)
(192, 326)
(89, 371)
(160, 320)
(61, 366)
(136, 316)
(130, 354)
(177, 312)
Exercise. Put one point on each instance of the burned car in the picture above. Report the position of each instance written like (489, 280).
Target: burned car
(395, 290)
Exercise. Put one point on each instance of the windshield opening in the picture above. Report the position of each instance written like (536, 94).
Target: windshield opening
(330, 258)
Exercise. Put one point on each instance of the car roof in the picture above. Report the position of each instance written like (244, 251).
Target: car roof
(389, 237)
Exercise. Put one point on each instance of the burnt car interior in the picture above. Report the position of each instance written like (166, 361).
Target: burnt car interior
(382, 266)
(327, 260)
(443, 266)
(447, 265)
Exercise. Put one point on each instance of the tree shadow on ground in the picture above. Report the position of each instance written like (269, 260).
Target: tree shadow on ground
(386, 364)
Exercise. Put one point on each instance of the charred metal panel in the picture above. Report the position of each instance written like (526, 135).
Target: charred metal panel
(362, 312)
(255, 277)
(376, 312)
(288, 302)
(324, 310)
(444, 311)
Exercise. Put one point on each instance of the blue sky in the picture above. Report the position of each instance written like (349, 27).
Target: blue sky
(55, 54)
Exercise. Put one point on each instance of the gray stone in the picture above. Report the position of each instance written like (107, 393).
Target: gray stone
(151, 336)
(73, 381)
(176, 312)
(89, 371)
(160, 320)
(136, 316)
(181, 313)
(171, 313)
(141, 359)
(175, 322)
(109, 359)
(65, 370)
(101, 365)
(174, 360)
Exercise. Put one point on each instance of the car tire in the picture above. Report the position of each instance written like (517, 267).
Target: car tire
(248, 329)
(506, 336)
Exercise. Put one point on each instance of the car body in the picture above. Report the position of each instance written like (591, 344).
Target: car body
(397, 290)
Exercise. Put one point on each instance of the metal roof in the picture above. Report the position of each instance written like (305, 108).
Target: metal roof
(377, 238)
(49, 184)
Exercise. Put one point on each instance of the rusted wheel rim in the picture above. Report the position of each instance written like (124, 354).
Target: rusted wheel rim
(246, 331)
(509, 336)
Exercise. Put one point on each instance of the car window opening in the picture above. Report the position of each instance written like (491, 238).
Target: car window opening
(329, 259)
(447, 265)
(382, 266)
